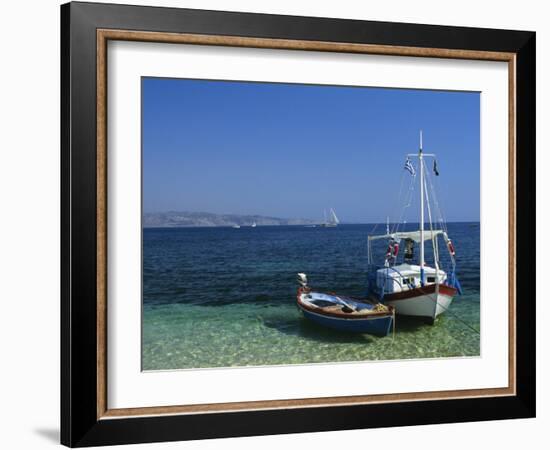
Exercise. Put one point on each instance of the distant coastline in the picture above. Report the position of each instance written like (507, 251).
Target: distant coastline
(187, 219)
(182, 219)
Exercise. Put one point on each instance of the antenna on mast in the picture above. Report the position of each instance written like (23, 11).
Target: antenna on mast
(420, 140)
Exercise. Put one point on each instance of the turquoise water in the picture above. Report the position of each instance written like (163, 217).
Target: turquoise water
(220, 297)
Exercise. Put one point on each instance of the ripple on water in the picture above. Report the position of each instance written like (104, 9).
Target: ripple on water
(182, 336)
(225, 298)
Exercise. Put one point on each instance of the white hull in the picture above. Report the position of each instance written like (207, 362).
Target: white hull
(422, 305)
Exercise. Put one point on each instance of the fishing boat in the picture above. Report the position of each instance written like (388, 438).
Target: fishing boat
(236, 226)
(407, 283)
(331, 220)
(344, 313)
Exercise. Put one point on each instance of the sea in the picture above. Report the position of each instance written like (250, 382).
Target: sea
(225, 297)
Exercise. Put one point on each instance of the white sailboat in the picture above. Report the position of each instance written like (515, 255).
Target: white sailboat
(415, 289)
(332, 220)
(253, 225)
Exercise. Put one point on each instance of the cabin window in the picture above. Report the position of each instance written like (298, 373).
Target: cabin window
(431, 279)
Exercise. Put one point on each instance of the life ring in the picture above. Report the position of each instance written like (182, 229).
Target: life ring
(451, 247)
(393, 250)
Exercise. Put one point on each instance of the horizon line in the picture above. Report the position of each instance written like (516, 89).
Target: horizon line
(297, 218)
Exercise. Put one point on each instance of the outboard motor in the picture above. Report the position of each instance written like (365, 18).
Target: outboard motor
(302, 279)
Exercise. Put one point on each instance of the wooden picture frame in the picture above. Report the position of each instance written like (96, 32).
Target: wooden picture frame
(86, 418)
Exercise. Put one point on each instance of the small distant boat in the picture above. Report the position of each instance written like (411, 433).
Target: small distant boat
(253, 225)
(236, 226)
(332, 220)
(344, 313)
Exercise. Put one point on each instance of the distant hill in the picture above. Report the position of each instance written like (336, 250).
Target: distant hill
(174, 219)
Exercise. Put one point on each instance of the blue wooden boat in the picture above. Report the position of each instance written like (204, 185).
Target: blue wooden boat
(345, 313)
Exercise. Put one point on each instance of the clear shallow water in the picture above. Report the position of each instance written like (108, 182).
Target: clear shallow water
(221, 297)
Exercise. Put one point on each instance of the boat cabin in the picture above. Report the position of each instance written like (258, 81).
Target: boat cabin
(403, 277)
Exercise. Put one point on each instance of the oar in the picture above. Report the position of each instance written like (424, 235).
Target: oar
(352, 307)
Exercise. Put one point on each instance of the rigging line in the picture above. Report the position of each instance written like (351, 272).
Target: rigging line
(435, 254)
(398, 202)
(440, 211)
(396, 208)
(434, 197)
(408, 199)
(431, 192)
(401, 183)
(410, 192)
(374, 228)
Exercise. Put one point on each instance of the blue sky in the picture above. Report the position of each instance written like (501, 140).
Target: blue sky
(289, 150)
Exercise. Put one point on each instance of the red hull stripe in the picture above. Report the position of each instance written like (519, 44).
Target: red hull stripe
(424, 290)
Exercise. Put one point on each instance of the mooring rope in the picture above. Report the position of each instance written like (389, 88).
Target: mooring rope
(393, 327)
(447, 310)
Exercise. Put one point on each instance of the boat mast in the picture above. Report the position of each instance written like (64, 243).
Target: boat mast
(421, 212)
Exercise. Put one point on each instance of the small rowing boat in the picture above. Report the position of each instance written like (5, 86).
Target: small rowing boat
(344, 313)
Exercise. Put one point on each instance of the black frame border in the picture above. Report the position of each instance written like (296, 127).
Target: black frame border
(79, 423)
